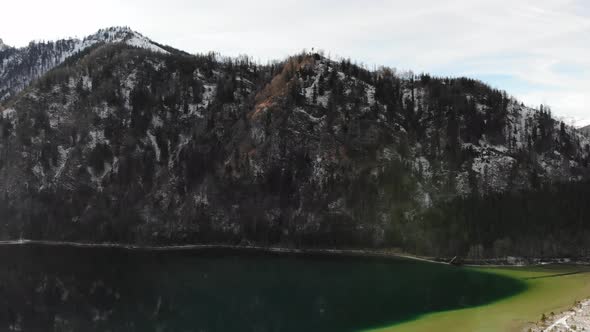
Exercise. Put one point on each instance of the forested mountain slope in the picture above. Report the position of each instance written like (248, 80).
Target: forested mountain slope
(20, 66)
(133, 142)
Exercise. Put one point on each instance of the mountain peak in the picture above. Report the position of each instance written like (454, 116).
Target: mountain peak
(44, 57)
(113, 33)
(118, 34)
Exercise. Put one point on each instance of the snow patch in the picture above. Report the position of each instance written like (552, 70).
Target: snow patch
(154, 144)
(309, 116)
(63, 158)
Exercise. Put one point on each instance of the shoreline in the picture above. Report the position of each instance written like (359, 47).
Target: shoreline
(492, 262)
(572, 319)
(343, 252)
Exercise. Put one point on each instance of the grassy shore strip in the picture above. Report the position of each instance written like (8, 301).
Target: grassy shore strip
(550, 289)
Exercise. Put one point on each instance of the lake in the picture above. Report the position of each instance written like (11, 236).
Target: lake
(64, 288)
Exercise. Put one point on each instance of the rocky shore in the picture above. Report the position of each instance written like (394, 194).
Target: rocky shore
(575, 319)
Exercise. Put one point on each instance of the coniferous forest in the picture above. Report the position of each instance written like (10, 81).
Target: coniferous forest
(147, 144)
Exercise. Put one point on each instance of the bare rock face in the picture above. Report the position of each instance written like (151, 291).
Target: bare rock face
(121, 139)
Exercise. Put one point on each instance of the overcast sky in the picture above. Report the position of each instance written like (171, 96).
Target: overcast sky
(537, 50)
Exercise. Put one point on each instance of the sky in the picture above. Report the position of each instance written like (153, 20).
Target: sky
(536, 50)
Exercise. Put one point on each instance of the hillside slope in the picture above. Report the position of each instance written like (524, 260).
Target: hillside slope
(122, 143)
(20, 66)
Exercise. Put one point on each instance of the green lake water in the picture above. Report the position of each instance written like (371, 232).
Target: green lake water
(60, 288)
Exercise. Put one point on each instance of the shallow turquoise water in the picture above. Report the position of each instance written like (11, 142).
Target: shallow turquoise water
(44, 288)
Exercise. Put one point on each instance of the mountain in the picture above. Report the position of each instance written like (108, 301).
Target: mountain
(20, 66)
(585, 130)
(120, 139)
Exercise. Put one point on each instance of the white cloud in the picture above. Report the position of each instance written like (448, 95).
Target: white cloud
(529, 40)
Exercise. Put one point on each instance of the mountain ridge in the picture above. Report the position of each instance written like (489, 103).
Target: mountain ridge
(20, 66)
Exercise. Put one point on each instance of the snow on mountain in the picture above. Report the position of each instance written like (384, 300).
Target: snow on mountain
(122, 34)
(494, 162)
(19, 67)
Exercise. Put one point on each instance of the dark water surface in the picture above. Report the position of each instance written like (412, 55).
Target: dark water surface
(53, 288)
